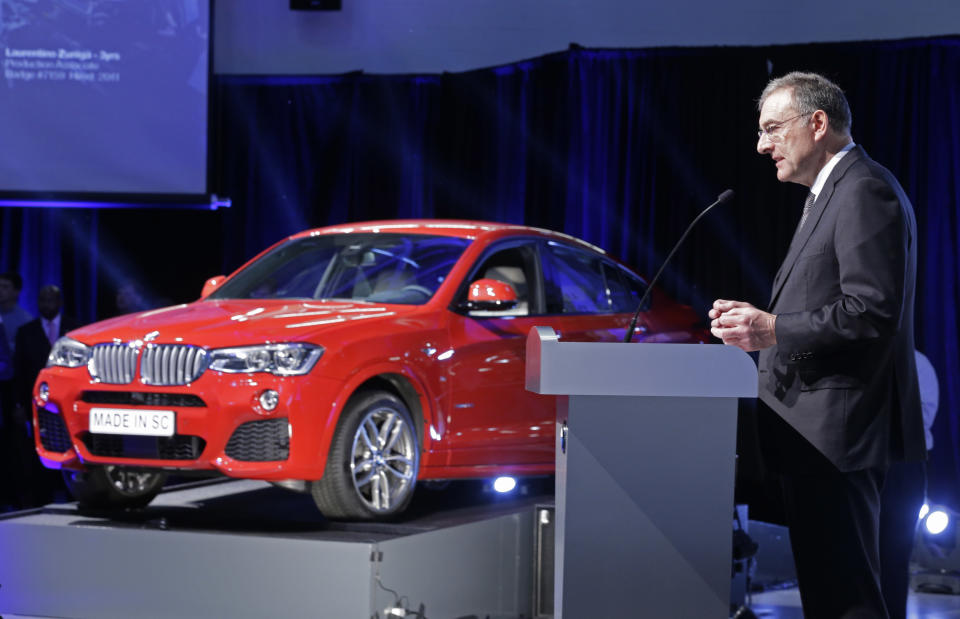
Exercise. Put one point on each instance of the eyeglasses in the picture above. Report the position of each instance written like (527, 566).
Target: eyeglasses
(773, 130)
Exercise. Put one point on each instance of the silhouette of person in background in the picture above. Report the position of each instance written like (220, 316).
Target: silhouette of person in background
(11, 313)
(12, 316)
(35, 484)
(6, 464)
(6, 359)
(904, 491)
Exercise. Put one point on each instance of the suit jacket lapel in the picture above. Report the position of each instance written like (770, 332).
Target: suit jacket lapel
(803, 235)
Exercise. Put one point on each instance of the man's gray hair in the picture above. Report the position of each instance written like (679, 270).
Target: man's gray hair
(812, 92)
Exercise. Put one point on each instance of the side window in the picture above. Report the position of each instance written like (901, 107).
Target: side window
(624, 288)
(515, 265)
(574, 281)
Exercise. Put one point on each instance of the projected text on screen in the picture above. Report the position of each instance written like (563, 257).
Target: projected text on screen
(106, 96)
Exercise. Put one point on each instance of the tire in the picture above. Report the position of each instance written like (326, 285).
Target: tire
(373, 461)
(114, 487)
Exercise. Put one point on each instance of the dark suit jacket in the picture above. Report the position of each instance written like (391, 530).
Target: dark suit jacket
(843, 373)
(6, 359)
(30, 355)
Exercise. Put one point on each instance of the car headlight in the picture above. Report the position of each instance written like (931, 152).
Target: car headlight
(68, 353)
(279, 359)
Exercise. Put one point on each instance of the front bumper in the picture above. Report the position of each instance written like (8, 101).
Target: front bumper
(220, 424)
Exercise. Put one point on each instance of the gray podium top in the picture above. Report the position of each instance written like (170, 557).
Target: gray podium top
(616, 368)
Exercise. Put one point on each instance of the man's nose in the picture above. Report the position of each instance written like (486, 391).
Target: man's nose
(764, 145)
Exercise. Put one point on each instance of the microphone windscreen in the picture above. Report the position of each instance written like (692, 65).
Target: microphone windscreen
(725, 197)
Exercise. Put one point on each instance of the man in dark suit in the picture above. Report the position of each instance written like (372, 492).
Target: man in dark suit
(6, 429)
(38, 337)
(33, 344)
(838, 381)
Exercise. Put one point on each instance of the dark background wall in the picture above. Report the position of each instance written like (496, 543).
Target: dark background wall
(431, 36)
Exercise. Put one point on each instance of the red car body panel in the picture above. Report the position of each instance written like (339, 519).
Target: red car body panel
(462, 377)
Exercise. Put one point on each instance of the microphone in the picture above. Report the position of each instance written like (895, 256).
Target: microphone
(723, 198)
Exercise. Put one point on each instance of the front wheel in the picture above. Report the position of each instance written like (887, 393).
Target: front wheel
(114, 487)
(373, 461)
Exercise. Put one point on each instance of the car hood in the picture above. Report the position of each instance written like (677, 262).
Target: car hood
(236, 322)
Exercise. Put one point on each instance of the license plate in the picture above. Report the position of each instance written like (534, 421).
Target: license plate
(132, 421)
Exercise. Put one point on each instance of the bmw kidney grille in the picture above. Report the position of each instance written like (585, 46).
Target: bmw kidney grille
(160, 364)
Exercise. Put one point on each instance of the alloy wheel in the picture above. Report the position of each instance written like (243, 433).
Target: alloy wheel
(383, 459)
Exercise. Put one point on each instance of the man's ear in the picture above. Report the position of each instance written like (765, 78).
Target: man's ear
(820, 123)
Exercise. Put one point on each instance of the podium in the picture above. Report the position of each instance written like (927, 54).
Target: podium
(646, 449)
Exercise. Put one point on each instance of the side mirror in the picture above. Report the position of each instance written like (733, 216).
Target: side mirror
(490, 295)
(210, 285)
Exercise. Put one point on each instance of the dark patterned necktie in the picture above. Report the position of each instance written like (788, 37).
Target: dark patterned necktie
(807, 205)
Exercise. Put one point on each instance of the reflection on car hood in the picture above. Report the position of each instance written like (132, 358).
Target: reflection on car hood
(235, 322)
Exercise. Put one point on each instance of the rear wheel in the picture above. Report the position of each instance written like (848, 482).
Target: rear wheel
(373, 461)
(114, 487)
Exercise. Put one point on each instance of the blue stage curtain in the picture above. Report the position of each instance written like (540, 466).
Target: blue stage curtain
(619, 147)
(52, 246)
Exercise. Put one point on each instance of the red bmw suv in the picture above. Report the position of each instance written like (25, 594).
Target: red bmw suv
(348, 362)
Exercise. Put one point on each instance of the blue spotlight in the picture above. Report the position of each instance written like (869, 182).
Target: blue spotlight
(504, 484)
(937, 522)
(937, 552)
(924, 510)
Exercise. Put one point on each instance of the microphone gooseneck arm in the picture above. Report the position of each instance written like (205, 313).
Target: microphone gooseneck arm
(723, 198)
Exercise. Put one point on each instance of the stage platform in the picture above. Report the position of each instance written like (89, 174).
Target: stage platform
(248, 549)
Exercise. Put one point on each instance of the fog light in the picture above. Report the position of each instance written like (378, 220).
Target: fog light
(269, 399)
(44, 391)
(504, 484)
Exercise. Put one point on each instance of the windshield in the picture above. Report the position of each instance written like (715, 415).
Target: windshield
(380, 268)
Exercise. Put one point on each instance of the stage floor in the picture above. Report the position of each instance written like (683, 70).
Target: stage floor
(222, 505)
(785, 604)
